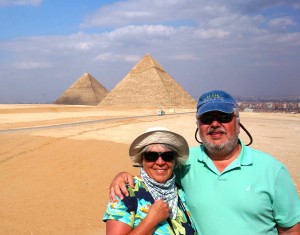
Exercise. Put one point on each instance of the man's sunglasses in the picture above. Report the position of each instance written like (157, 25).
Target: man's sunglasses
(153, 156)
(220, 117)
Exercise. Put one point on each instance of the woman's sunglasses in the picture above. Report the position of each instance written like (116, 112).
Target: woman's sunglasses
(220, 117)
(153, 156)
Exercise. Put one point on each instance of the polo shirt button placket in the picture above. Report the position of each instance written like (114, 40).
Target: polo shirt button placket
(221, 178)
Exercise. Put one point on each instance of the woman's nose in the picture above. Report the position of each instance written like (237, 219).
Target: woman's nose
(160, 161)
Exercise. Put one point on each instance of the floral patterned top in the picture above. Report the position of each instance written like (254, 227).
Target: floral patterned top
(133, 209)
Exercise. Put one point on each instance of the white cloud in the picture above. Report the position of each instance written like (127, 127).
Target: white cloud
(20, 2)
(184, 57)
(290, 39)
(142, 31)
(194, 39)
(281, 23)
(296, 5)
(144, 12)
(117, 57)
(212, 34)
(180, 12)
(29, 65)
(51, 45)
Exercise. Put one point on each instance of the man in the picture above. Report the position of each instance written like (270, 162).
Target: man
(231, 188)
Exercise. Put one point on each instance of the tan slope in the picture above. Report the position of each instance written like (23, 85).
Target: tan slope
(148, 85)
(85, 91)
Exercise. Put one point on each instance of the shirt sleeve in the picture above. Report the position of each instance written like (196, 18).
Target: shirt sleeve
(286, 203)
(120, 212)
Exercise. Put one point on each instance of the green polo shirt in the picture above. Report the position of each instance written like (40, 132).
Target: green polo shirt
(253, 195)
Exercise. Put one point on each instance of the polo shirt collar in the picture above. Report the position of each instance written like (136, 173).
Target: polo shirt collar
(244, 159)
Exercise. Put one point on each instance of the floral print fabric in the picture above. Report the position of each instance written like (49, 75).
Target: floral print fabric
(133, 209)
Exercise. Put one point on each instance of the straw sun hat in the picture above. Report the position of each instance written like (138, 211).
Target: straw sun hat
(159, 135)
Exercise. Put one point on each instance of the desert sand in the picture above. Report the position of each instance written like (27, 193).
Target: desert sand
(56, 162)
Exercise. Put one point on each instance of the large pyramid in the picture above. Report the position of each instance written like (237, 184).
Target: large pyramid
(85, 91)
(148, 85)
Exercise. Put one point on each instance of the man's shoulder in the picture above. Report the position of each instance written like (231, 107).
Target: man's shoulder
(258, 153)
(261, 156)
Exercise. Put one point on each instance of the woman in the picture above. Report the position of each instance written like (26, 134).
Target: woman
(155, 205)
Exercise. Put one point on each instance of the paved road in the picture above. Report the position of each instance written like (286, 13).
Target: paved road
(79, 123)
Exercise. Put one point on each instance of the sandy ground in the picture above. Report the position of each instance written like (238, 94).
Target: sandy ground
(56, 162)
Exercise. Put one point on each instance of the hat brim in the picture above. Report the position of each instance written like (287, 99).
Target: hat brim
(217, 106)
(159, 137)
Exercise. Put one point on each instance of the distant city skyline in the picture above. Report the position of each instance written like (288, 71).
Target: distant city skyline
(249, 48)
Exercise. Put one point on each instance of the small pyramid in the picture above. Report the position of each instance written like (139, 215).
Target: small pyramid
(148, 85)
(85, 91)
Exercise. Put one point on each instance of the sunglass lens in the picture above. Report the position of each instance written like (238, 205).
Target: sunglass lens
(168, 156)
(151, 156)
(206, 119)
(222, 118)
(225, 118)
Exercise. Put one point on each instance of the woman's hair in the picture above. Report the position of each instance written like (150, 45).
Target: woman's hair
(179, 160)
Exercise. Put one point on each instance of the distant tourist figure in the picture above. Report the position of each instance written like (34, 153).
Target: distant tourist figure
(155, 205)
(231, 188)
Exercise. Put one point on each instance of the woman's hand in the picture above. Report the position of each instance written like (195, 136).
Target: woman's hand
(159, 211)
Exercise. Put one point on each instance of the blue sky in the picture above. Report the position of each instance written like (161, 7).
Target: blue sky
(248, 48)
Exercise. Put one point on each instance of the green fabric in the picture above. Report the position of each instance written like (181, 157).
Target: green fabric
(134, 208)
(251, 196)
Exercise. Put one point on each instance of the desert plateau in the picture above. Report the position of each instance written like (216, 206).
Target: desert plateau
(57, 161)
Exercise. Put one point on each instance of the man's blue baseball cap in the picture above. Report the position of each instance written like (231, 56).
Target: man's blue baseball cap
(215, 100)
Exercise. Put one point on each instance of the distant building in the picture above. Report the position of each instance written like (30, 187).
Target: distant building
(269, 106)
